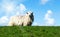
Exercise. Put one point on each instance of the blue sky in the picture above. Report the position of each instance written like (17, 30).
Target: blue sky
(46, 12)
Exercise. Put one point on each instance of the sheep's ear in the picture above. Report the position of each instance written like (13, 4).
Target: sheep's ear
(27, 13)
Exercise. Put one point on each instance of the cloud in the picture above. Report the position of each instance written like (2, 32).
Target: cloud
(10, 8)
(4, 20)
(49, 21)
(21, 8)
(44, 1)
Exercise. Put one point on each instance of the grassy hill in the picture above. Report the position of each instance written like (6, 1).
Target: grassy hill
(29, 31)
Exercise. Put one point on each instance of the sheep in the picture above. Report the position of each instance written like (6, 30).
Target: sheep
(25, 20)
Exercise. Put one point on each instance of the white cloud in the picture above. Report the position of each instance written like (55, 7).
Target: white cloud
(44, 1)
(17, 13)
(21, 8)
(49, 21)
(8, 7)
(11, 8)
(4, 20)
(48, 14)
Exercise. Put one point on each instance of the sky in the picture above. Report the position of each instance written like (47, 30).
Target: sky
(46, 12)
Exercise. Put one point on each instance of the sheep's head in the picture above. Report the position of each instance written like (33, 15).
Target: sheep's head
(30, 14)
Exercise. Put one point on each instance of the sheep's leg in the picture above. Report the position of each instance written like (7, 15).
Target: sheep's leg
(10, 24)
(25, 24)
(29, 24)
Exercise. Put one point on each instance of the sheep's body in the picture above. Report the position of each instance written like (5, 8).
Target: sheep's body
(21, 20)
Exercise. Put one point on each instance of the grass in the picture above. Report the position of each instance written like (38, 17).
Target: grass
(29, 31)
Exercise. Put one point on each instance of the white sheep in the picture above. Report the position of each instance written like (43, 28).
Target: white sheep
(26, 20)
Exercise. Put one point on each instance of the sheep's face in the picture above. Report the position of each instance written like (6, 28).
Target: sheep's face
(30, 14)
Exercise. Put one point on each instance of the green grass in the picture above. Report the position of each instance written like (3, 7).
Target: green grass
(29, 31)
